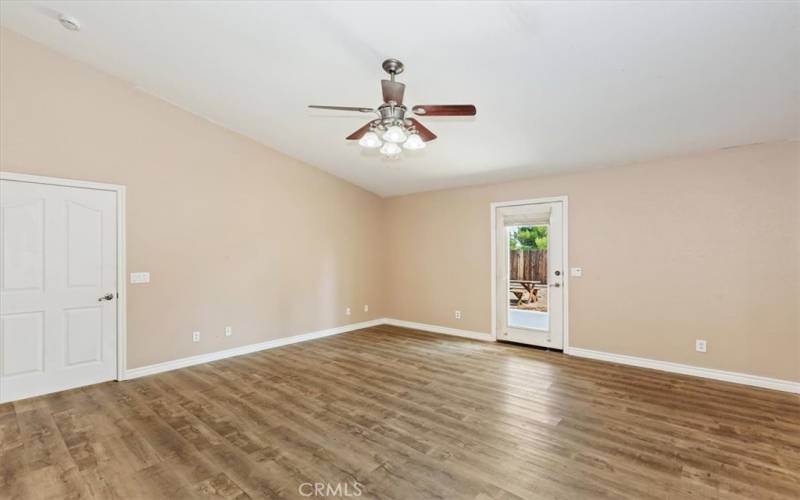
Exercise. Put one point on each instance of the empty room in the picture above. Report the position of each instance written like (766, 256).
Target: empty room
(399, 249)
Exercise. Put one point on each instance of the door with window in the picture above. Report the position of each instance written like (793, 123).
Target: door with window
(529, 288)
(58, 288)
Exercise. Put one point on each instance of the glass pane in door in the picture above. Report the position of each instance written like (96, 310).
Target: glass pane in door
(527, 277)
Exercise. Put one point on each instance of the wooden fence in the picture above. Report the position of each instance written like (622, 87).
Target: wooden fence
(529, 265)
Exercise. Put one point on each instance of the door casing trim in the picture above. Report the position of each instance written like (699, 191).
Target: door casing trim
(122, 299)
(565, 283)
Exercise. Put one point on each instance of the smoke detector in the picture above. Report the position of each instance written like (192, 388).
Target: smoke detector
(69, 23)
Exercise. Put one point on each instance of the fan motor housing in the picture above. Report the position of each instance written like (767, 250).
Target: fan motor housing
(392, 115)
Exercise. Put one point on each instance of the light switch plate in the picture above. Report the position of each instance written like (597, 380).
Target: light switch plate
(576, 272)
(140, 278)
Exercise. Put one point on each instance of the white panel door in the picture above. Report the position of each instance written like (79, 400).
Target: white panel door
(58, 288)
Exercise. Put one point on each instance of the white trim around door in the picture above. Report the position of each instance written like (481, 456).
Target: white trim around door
(565, 251)
(121, 302)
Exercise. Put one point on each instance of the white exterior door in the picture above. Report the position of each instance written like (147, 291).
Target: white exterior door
(58, 288)
(530, 311)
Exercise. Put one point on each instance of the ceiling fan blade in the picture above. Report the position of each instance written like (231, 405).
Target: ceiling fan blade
(343, 108)
(444, 110)
(424, 134)
(393, 91)
(358, 134)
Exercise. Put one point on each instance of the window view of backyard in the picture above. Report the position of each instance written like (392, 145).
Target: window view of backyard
(527, 268)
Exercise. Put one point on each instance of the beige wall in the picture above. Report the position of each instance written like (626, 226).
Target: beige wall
(233, 233)
(237, 234)
(700, 247)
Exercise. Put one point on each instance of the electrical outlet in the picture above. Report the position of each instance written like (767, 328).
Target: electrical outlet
(366, 308)
(228, 331)
(458, 314)
(195, 336)
(700, 345)
(347, 311)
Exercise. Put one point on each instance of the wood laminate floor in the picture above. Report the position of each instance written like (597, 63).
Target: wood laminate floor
(405, 415)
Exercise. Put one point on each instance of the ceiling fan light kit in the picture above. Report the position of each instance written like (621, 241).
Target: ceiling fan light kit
(391, 128)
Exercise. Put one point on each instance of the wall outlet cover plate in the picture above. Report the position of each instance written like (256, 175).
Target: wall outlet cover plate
(143, 277)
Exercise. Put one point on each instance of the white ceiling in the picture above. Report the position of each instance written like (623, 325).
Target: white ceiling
(558, 86)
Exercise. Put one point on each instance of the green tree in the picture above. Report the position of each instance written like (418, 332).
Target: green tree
(528, 238)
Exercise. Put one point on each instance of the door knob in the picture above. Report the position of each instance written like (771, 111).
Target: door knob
(108, 296)
(556, 285)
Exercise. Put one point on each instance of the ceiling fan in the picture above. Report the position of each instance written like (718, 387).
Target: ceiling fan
(392, 129)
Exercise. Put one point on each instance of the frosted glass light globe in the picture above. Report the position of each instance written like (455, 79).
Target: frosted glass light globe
(370, 141)
(390, 149)
(394, 134)
(414, 142)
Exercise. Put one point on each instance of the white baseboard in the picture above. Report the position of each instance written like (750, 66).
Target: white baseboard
(246, 349)
(697, 371)
(487, 337)
(667, 366)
